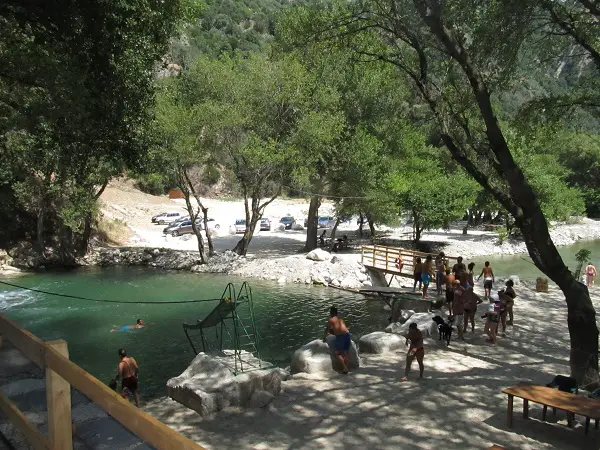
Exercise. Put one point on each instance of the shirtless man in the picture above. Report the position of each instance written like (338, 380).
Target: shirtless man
(440, 264)
(508, 295)
(590, 274)
(138, 324)
(459, 267)
(488, 279)
(449, 280)
(426, 274)
(415, 350)
(338, 328)
(128, 372)
(458, 308)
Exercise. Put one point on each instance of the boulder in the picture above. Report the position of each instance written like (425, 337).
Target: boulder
(349, 282)
(297, 226)
(380, 342)
(281, 280)
(280, 227)
(318, 356)
(423, 321)
(541, 284)
(318, 255)
(208, 384)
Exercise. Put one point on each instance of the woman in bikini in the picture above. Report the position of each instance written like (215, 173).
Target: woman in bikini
(590, 274)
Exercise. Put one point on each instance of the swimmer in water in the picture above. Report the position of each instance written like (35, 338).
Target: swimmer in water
(138, 324)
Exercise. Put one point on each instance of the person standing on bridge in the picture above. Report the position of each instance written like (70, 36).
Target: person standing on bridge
(128, 372)
(439, 272)
(417, 269)
(427, 274)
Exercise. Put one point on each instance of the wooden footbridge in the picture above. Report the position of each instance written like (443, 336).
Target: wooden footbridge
(393, 260)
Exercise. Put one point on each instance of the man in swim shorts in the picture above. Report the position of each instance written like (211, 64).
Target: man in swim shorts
(416, 350)
(426, 274)
(128, 372)
(138, 324)
(488, 278)
(338, 328)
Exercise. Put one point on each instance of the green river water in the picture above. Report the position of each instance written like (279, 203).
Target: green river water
(287, 316)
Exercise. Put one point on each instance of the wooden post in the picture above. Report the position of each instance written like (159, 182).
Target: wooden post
(386, 259)
(374, 262)
(509, 411)
(58, 398)
(525, 408)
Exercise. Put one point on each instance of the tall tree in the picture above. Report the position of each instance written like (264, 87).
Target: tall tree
(456, 56)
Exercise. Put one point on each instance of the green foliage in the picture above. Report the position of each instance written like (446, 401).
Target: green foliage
(582, 257)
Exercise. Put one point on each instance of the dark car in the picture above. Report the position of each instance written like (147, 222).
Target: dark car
(287, 222)
(265, 224)
(180, 228)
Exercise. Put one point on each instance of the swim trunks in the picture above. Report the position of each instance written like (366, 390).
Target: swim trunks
(425, 277)
(487, 283)
(124, 328)
(130, 383)
(449, 295)
(342, 342)
(417, 276)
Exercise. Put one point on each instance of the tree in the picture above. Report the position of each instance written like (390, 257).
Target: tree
(421, 189)
(75, 93)
(456, 56)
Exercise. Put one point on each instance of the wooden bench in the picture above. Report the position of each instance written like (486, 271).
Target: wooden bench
(571, 403)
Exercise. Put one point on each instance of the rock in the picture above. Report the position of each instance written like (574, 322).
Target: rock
(363, 269)
(308, 281)
(367, 283)
(156, 252)
(282, 280)
(361, 276)
(208, 384)
(541, 284)
(349, 283)
(515, 279)
(423, 321)
(335, 259)
(260, 399)
(297, 226)
(318, 255)
(319, 280)
(318, 356)
(280, 227)
(380, 342)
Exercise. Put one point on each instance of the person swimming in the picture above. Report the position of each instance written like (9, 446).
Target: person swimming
(138, 324)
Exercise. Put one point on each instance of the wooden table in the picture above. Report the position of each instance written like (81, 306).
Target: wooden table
(571, 403)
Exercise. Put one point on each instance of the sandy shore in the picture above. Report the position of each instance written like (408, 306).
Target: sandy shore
(459, 405)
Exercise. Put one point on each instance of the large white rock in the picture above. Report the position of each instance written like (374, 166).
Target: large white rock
(423, 321)
(208, 384)
(318, 254)
(297, 226)
(380, 342)
(318, 356)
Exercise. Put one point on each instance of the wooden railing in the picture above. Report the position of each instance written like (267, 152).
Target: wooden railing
(383, 258)
(61, 374)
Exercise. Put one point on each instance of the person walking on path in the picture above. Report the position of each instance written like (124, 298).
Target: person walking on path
(338, 328)
(488, 278)
(128, 372)
(590, 274)
(416, 350)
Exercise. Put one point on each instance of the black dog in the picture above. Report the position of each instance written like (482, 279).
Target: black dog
(444, 328)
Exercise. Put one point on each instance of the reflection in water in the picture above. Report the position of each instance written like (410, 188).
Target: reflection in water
(287, 316)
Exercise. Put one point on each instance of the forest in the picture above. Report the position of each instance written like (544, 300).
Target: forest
(430, 110)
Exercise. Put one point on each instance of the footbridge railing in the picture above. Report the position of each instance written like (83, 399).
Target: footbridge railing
(61, 374)
(393, 260)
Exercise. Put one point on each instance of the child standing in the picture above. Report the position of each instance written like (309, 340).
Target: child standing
(418, 268)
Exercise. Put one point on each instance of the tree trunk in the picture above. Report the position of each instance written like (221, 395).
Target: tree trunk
(253, 215)
(418, 233)
(193, 216)
(66, 251)
(360, 226)
(86, 235)
(192, 190)
(40, 229)
(371, 226)
(312, 228)
(334, 229)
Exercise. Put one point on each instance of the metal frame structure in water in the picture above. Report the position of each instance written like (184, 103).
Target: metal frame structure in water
(234, 323)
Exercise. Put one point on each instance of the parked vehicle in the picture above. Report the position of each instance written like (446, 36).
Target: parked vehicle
(240, 226)
(180, 228)
(165, 218)
(287, 222)
(326, 222)
(265, 224)
(212, 224)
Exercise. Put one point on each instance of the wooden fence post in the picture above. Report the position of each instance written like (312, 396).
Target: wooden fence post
(58, 398)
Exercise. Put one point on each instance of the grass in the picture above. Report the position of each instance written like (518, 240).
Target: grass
(113, 231)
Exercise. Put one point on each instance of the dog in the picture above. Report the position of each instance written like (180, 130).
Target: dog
(445, 329)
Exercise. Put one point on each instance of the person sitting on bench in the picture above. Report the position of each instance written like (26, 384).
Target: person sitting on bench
(341, 243)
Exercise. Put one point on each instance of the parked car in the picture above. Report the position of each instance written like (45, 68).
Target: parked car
(326, 222)
(212, 224)
(287, 222)
(240, 226)
(265, 224)
(180, 228)
(164, 218)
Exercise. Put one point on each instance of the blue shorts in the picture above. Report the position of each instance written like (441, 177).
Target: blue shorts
(342, 342)
(124, 328)
(425, 277)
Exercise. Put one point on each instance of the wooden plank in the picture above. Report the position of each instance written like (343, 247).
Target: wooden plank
(32, 347)
(58, 398)
(554, 398)
(22, 423)
(152, 431)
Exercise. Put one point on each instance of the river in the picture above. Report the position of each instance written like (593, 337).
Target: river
(287, 316)
(521, 264)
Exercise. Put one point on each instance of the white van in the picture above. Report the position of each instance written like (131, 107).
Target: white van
(164, 218)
